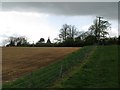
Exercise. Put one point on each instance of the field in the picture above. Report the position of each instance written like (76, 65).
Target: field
(100, 71)
(88, 67)
(46, 76)
(18, 61)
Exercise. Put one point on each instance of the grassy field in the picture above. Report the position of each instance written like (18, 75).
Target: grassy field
(101, 71)
(18, 61)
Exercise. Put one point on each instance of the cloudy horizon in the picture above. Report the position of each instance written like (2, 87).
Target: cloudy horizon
(37, 20)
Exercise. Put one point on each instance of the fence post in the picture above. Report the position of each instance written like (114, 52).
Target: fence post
(61, 68)
(30, 80)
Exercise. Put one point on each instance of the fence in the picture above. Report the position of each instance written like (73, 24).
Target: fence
(47, 75)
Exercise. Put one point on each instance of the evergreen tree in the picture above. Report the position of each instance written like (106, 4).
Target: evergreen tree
(48, 41)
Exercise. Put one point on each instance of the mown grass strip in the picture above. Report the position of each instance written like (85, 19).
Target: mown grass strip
(100, 72)
(73, 70)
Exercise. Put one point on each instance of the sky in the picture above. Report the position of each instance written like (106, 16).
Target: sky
(37, 20)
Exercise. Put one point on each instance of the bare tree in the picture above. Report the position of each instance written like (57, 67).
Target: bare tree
(64, 32)
(17, 41)
(68, 32)
(99, 28)
(72, 32)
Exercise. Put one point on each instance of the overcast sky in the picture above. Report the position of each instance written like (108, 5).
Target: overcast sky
(37, 20)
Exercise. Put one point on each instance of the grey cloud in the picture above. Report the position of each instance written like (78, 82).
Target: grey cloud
(60, 0)
(107, 9)
(119, 18)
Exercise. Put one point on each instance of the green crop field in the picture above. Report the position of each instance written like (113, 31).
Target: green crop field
(89, 67)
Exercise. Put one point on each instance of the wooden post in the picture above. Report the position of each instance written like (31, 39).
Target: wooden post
(61, 68)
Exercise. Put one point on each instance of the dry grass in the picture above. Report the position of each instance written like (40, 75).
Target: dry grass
(18, 61)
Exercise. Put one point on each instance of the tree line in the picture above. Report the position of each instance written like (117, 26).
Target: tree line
(70, 36)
